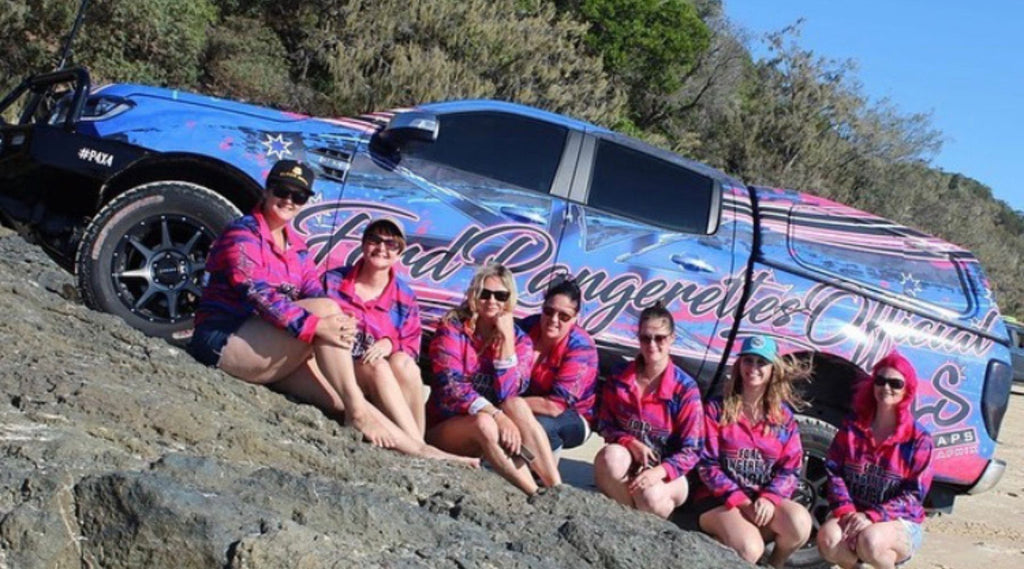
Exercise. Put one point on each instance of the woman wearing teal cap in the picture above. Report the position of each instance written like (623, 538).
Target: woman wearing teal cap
(752, 453)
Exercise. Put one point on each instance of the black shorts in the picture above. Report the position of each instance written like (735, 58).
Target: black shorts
(688, 515)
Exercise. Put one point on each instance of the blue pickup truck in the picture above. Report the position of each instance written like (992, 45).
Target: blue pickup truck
(127, 186)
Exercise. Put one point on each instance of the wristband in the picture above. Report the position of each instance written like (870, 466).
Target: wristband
(479, 404)
(506, 363)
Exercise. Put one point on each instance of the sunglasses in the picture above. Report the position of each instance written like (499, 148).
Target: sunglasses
(499, 295)
(298, 197)
(894, 383)
(656, 338)
(552, 312)
(393, 245)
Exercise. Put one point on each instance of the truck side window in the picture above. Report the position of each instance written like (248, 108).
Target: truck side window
(513, 149)
(637, 185)
(838, 240)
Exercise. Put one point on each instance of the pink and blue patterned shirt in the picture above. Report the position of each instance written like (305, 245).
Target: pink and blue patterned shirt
(467, 374)
(670, 420)
(887, 480)
(567, 375)
(745, 461)
(393, 315)
(249, 275)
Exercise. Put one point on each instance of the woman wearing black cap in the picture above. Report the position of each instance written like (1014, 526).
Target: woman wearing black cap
(264, 318)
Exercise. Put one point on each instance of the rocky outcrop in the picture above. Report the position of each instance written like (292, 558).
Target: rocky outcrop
(118, 451)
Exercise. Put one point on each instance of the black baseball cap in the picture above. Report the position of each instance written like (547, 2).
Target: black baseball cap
(293, 174)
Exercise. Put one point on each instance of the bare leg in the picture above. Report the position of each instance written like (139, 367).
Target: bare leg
(410, 379)
(260, 353)
(792, 528)
(833, 547)
(380, 385)
(611, 473)
(728, 526)
(336, 364)
(309, 385)
(882, 544)
(476, 435)
(663, 498)
(535, 439)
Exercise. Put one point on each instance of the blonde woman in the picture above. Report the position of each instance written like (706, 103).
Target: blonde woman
(481, 363)
(751, 460)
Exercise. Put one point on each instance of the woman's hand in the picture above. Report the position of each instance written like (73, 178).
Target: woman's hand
(337, 329)
(644, 456)
(508, 434)
(762, 511)
(380, 350)
(646, 479)
(505, 327)
(852, 525)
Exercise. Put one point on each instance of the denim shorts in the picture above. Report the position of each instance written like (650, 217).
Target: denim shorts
(208, 342)
(567, 430)
(915, 534)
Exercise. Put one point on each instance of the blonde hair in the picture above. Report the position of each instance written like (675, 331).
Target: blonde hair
(469, 309)
(786, 370)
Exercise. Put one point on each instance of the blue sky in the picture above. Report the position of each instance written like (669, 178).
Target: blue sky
(963, 62)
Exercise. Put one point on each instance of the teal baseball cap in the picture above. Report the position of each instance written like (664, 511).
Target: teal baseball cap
(760, 346)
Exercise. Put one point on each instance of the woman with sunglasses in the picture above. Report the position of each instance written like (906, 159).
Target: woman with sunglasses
(752, 456)
(481, 365)
(879, 471)
(564, 376)
(388, 329)
(264, 318)
(651, 417)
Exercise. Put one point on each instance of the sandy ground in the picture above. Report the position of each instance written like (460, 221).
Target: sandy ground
(984, 531)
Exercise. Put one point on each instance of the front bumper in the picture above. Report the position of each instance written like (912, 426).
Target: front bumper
(989, 478)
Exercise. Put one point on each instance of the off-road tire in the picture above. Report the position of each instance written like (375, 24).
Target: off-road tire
(142, 257)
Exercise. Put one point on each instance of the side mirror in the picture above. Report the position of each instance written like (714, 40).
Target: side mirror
(407, 126)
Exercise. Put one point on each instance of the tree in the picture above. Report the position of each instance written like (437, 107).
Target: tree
(804, 123)
(31, 34)
(158, 42)
(648, 46)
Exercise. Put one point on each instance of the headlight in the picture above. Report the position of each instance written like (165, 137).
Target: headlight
(996, 395)
(101, 108)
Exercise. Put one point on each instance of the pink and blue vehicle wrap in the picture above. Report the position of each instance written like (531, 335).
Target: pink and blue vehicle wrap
(819, 277)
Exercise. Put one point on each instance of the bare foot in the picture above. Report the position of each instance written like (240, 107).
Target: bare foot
(371, 428)
(432, 452)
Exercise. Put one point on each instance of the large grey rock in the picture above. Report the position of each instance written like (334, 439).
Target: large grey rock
(118, 451)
